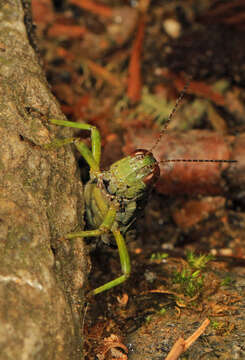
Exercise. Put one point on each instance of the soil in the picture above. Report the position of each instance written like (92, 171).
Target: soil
(86, 55)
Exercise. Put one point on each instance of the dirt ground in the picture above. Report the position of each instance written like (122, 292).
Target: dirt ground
(121, 65)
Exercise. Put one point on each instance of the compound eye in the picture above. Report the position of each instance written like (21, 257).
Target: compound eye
(140, 152)
(151, 178)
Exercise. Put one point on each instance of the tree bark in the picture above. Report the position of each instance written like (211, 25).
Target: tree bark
(41, 273)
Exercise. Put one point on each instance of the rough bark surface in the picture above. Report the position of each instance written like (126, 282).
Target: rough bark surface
(41, 274)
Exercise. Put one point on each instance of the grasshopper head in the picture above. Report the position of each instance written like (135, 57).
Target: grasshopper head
(133, 175)
(148, 169)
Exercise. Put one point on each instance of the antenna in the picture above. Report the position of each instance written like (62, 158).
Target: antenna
(165, 126)
(175, 108)
(197, 161)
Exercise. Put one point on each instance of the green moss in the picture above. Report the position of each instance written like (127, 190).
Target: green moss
(159, 256)
(191, 278)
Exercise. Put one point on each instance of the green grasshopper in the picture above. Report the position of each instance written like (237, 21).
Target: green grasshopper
(113, 197)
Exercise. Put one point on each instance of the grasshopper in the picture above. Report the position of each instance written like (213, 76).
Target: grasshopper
(113, 197)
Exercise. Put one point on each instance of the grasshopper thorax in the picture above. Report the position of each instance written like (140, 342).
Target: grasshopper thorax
(134, 175)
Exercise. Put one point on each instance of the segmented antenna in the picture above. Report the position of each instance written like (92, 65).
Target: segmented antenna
(165, 126)
(197, 160)
(178, 101)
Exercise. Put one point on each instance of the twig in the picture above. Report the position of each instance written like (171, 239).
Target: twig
(103, 73)
(182, 345)
(134, 80)
(93, 7)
